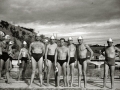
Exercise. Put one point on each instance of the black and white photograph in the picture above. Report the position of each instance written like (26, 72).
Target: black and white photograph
(59, 44)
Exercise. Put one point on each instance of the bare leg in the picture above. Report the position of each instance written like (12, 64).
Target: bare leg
(65, 74)
(79, 74)
(84, 68)
(48, 71)
(1, 66)
(24, 69)
(59, 73)
(21, 70)
(7, 63)
(33, 70)
(40, 63)
(72, 73)
(112, 69)
(105, 74)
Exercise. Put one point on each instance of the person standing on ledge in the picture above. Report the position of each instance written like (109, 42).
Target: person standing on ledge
(82, 50)
(109, 64)
(50, 56)
(24, 56)
(72, 49)
(62, 61)
(36, 50)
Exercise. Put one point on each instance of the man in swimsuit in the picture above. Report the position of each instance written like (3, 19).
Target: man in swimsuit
(11, 52)
(50, 56)
(61, 60)
(82, 50)
(1, 47)
(24, 56)
(72, 50)
(36, 50)
(109, 53)
(5, 57)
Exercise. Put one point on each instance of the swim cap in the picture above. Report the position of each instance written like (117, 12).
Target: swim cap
(109, 40)
(70, 38)
(2, 33)
(80, 37)
(24, 42)
(52, 37)
(11, 42)
(7, 37)
(38, 34)
(45, 40)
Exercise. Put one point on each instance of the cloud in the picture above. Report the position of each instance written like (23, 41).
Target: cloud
(59, 11)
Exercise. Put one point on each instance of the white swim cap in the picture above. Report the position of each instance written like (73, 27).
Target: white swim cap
(24, 42)
(7, 37)
(38, 34)
(110, 40)
(52, 37)
(11, 42)
(2, 33)
(70, 38)
(80, 37)
(45, 40)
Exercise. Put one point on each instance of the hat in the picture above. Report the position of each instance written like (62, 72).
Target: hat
(80, 37)
(70, 38)
(46, 40)
(2, 33)
(52, 37)
(24, 42)
(110, 40)
(38, 34)
(7, 37)
(11, 42)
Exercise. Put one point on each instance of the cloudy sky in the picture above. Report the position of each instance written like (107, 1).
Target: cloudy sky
(95, 20)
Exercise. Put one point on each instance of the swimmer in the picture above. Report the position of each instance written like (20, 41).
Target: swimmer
(50, 56)
(5, 57)
(61, 60)
(82, 50)
(72, 50)
(109, 53)
(24, 56)
(37, 51)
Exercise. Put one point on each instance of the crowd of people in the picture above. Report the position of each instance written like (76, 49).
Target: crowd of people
(59, 57)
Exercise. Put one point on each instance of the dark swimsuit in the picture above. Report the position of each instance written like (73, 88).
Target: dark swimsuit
(81, 60)
(61, 62)
(10, 58)
(51, 58)
(37, 56)
(4, 56)
(24, 59)
(72, 60)
(110, 61)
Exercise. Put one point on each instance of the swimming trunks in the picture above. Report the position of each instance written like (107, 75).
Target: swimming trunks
(10, 58)
(81, 60)
(24, 59)
(72, 60)
(61, 62)
(110, 61)
(36, 56)
(51, 58)
(4, 56)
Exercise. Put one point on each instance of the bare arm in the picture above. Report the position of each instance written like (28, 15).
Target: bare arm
(30, 49)
(56, 56)
(68, 52)
(43, 50)
(116, 48)
(90, 50)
